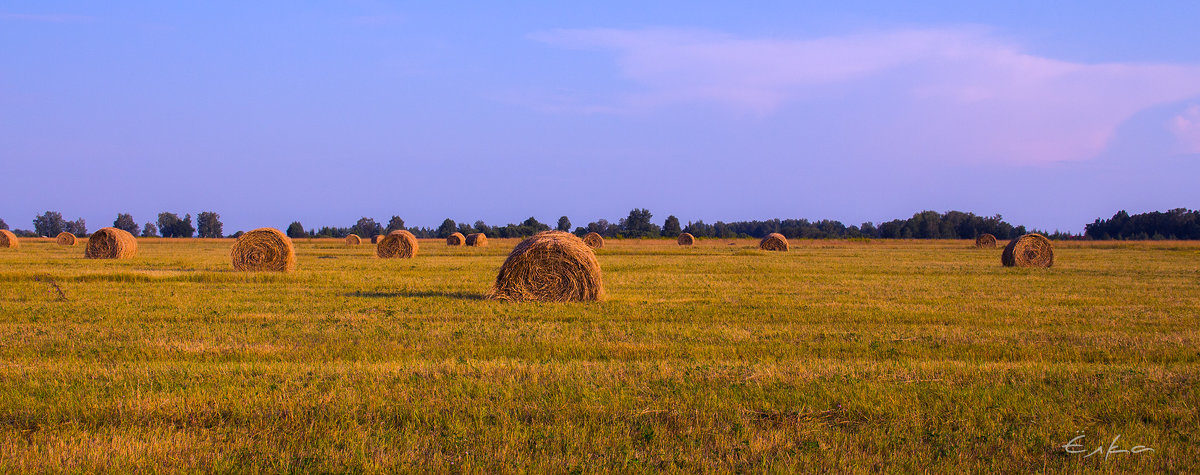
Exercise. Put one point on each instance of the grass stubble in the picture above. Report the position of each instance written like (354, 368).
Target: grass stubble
(848, 356)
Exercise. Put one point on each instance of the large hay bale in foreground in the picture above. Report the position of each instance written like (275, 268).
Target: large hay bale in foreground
(686, 239)
(397, 244)
(65, 239)
(1030, 250)
(263, 249)
(353, 240)
(551, 266)
(773, 242)
(594, 240)
(8, 240)
(985, 241)
(111, 243)
(456, 239)
(477, 240)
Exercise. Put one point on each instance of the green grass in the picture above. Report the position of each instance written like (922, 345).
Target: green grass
(877, 356)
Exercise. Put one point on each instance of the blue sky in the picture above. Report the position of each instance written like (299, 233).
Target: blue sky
(269, 112)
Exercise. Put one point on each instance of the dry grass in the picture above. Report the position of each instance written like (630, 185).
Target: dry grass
(1030, 250)
(399, 244)
(594, 240)
(111, 243)
(263, 249)
(551, 266)
(774, 242)
(456, 239)
(8, 240)
(985, 241)
(477, 240)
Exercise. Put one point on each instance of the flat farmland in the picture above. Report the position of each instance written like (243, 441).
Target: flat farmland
(876, 356)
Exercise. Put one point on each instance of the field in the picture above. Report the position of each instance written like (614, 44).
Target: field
(877, 356)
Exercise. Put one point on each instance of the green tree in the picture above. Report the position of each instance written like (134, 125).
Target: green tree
(210, 225)
(125, 222)
(671, 227)
(167, 224)
(49, 223)
(395, 224)
(296, 230)
(3, 225)
(638, 224)
(447, 228)
(366, 228)
(77, 227)
(564, 224)
(150, 230)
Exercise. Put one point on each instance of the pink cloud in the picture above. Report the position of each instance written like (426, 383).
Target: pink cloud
(1186, 127)
(960, 93)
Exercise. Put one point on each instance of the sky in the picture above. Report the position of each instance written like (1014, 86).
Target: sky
(1051, 114)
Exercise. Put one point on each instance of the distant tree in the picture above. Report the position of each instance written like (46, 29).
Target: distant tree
(395, 224)
(210, 225)
(77, 227)
(366, 228)
(447, 228)
(465, 229)
(237, 234)
(49, 224)
(168, 223)
(564, 224)
(868, 229)
(671, 227)
(296, 230)
(150, 230)
(185, 227)
(125, 222)
(482, 227)
(3, 225)
(638, 224)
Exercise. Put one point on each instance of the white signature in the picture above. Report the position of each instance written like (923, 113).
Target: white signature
(1075, 447)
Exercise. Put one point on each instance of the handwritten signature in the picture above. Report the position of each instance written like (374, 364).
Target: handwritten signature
(1075, 447)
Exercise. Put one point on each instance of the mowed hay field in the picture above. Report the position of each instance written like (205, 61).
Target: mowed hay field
(848, 356)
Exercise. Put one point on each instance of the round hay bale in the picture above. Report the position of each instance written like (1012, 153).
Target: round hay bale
(397, 244)
(985, 241)
(773, 242)
(1030, 250)
(353, 240)
(375, 239)
(65, 239)
(686, 239)
(594, 240)
(111, 243)
(477, 240)
(263, 249)
(456, 239)
(551, 266)
(8, 240)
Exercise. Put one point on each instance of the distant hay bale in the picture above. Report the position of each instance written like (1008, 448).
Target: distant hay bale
(375, 239)
(773, 242)
(985, 241)
(65, 239)
(111, 243)
(397, 244)
(551, 266)
(8, 240)
(456, 239)
(263, 249)
(686, 239)
(1030, 250)
(477, 240)
(594, 240)
(353, 240)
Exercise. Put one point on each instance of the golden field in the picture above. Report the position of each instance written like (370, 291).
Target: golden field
(858, 356)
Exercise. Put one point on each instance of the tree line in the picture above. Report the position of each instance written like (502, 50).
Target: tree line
(1174, 224)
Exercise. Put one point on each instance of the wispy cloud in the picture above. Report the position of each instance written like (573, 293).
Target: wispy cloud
(45, 18)
(997, 101)
(1186, 127)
